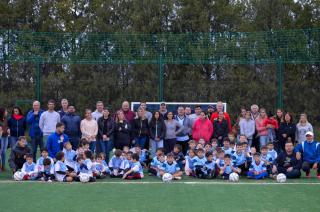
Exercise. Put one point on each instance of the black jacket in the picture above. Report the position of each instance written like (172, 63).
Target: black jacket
(140, 127)
(122, 133)
(72, 125)
(16, 159)
(158, 127)
(220, 128)
(287, 128)
(105, 130)
(285, 161)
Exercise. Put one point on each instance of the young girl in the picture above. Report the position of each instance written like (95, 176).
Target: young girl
(190, 160)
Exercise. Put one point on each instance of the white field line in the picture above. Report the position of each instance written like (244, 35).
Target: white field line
(175, 182)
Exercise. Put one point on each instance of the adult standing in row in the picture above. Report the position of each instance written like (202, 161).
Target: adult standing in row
(64, 108)
(262, 128)
(202, 128)
(302, 128)
(128, 114)
(157, 131)
(183, 136)
(35, 133)
(215, 115)
(106, 133)
(163, 110)
(173, 128)
(220, 128)
(287, 129)
(140, 128)
(147, 114)
(247, 127)
(4, 134)
(72, 122)
(122, 131)
(17, 124)
(194, 116)
(48, 121)
(99, 111)
(89, 129)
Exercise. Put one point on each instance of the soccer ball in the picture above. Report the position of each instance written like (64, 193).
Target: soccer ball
(18, 176)
(167, 177)
(281, 178)
(84, 178)
(234, 177)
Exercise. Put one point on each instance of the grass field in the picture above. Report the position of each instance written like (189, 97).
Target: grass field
(150, 194)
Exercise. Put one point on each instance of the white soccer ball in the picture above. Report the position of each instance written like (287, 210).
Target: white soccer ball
(281, 178)
(18, 176)
(167, 177)
(234, 177)
(84, 178)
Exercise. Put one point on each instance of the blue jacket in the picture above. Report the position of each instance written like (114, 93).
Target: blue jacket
(17, 127)
(33, 123)
(72, 124)
(54, 145)
(310, 151)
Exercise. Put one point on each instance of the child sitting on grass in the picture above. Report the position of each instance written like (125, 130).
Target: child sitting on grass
(61, 171)
(29, 169)
(258, 169)
(228, 168)
(156, 162)
(136, 170)
(115, 163)
(171, 167)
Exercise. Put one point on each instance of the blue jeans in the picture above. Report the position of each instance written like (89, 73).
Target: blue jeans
(4, 146)
(35, 142)
(106, 147)
(92, 146)
(141, 141)
(74, 142)
(263, 140)
(13, 141)
(45, 139)
(155, 145)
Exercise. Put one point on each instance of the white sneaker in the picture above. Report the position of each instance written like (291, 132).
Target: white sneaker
(177, 178)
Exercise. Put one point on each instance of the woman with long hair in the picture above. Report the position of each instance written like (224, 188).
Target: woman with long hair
(122, 131)
(303, 127)
(17, 124)
(157, 131)
(4, 134)
(89, 129)
(106, 133)
(287, 129)
(173, 127)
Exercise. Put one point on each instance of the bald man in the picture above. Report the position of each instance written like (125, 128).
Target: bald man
(35, 132)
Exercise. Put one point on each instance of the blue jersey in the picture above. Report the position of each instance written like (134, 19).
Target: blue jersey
(170, 168)
(258, 167)
(143, 156)
(238, 159)
(199, 161)
(155, 163)
(310, 151)
(210, 165)
(137, 168)
(115, 162)
(125, 164)
(40, 165)
(29, 168)
(228, 169)
(85, 167)
(220, 162)
(191, 161)
(100, 167)
(266, 158)
(70, 157)
(228, 151)
(60, 167)
(273, 155)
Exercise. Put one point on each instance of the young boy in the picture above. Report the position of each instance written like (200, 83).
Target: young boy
(29, 168)
(126, 162)
(136, 170)
(209, 166)
(100, 167)
(228, 168)
(214, 143)
(199, 163)
(239, 159)
(60, 169)
(40, 161)
(178, 155)
(226, 147)
(271, 152)
(47, 173)
(258, 169)
(115, 163)
(266, 159)
(70, 156)
(189, 166)
(84, 165)
(143, 155)
(171, 167)
(208, 148)
(220, 161)
(192, 145)
(155, 162)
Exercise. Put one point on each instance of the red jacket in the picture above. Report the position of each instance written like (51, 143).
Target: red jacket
(129, 115)
(273, 122)
(215, 115)
(202, 129)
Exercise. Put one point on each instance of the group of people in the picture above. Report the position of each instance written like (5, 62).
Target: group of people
(204, 144)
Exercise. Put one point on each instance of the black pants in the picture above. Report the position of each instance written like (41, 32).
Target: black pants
(306, 166)
(184, 145)
(168, 145)
(244, 169)
(295, 173)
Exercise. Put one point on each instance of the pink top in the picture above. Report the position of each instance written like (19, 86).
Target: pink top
(89, 129)
(261, 126)
(202, 129)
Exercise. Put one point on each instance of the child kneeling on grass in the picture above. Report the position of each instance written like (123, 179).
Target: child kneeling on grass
(47, 173)
(136, 170)
(61, 172)
(258, 169)
(29, 169)
(228, 168)
(171, 167)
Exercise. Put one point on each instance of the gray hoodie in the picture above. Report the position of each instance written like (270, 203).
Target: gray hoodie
(301, 132)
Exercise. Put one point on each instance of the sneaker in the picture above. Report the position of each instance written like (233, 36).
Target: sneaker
(177, 178)
(49, 181)
(308, 175)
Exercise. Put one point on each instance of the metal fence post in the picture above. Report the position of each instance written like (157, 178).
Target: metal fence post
(38, 79)
(160, 86)
(280, 69)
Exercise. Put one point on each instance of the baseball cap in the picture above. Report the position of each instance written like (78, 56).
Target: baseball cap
(309, 133)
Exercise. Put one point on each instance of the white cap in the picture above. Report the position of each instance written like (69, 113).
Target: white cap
(309, 133)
